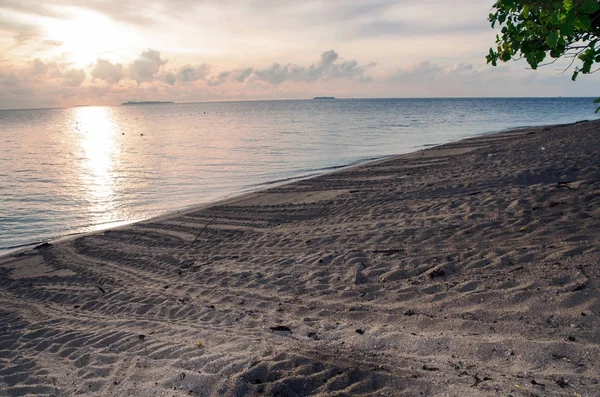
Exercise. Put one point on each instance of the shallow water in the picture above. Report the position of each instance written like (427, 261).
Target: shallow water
(74, 170)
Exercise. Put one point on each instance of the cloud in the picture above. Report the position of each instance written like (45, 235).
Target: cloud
(107, 71)
(428, 71)
(243, 75)
(38, 67)
(69, 77)
(424, 71)
(329, 67)
(168, 77)
(408, 28)
(146, 66)
(239, 75)
(188, 73)
(460, 79)
(9, 80)
(30, 7)
(130, 11)
(277, 74)
(373, 7)
(73, 77)
(150, 67)
(21, 33)
(462, 68)
(52, 43)
(221, 78)
(121, 10)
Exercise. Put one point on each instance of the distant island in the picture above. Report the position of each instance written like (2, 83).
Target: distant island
(145, 103)
(324, 97)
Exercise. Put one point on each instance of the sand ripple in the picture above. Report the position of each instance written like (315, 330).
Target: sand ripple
(465, 270)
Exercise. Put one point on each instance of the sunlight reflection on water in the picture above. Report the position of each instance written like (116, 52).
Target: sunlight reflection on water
(97, 133)
(65, 171)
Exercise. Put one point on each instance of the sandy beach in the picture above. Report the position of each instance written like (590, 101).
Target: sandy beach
(468, 269)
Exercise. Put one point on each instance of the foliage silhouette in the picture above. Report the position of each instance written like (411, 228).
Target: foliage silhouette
(537, 29)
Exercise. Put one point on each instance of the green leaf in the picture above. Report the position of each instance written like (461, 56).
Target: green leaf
(568, 5)
(552, 39)
(567, 28)
(583, 22)
(589, 7)
(535, 29)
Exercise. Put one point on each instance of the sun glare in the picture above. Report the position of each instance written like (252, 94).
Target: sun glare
(87, 36)
(97, 132)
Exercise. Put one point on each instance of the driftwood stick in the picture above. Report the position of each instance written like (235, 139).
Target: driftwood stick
(204, 228)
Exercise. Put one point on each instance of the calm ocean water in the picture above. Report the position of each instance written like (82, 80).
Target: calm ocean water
(68, 171)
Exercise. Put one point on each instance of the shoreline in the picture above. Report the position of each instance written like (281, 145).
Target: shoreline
(250, 189)
(256, 188)
(466, 269)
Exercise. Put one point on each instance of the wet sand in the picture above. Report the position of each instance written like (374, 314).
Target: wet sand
(469, 269)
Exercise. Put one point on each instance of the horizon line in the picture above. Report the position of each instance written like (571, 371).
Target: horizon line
(303, 99)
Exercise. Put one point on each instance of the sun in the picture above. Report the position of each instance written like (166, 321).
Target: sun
(86, 36)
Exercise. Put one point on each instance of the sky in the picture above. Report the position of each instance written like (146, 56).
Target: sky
(103, 52)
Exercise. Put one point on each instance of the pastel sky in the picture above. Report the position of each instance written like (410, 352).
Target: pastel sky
(104, 52)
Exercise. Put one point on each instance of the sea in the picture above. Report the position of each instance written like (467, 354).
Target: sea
(76, 170)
